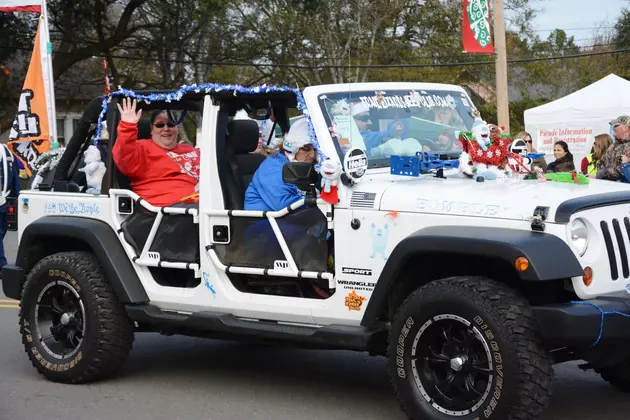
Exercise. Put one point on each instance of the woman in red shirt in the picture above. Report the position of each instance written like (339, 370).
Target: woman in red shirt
(161, 170)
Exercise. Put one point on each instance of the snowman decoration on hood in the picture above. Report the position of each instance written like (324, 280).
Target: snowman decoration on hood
(481, 133)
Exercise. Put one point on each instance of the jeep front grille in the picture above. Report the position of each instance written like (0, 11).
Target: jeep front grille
(621, 245)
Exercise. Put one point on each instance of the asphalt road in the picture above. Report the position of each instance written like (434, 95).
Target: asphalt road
(175, 378)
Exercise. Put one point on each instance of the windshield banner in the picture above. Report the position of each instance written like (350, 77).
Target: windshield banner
(413, 100)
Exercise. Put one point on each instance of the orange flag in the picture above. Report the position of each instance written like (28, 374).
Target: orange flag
(30, 134)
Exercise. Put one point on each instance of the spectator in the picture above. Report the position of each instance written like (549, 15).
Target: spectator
(625, 169)
(611, 162)
(161, 170)
(591, 162)
(14, 187)
(527, 138)
(564, 158)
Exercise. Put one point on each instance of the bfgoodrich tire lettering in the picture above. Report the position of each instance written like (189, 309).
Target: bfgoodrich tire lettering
(73, 328)
(468, 348)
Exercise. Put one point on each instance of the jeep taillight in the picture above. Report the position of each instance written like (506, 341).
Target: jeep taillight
(12, 222)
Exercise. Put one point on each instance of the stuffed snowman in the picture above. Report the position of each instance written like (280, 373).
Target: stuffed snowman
(94, 169)
(330, 171)
(481, 133)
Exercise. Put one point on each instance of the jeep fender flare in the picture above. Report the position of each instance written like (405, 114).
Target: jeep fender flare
(102, 241)
(549, 257)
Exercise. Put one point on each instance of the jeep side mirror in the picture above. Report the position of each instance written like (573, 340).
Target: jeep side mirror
(301, 174)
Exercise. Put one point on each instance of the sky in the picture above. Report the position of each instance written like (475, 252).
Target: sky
(581, 16)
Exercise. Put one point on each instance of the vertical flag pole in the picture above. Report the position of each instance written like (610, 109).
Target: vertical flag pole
(503, 112)
(51, 82)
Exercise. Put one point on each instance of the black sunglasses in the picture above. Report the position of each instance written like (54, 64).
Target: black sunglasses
(161, 125)
(364, 118)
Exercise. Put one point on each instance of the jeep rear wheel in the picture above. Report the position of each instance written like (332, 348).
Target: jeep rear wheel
(73, 328)
(468, 348)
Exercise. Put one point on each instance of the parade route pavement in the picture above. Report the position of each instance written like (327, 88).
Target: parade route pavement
(181, 378)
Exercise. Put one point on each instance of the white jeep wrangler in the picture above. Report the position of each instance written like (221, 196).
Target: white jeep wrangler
(473, 290)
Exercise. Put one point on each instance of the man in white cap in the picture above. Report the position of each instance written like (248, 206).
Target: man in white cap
(363, 120)
(267, 191)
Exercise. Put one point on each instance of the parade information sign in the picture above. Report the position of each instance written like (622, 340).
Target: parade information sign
(579, 139)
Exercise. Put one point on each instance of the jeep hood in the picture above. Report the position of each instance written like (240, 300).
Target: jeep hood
(503, 199)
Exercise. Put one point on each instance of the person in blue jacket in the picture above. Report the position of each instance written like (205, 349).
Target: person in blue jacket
(267, 191)
(624, 168)
(372, 139)
(14, 187)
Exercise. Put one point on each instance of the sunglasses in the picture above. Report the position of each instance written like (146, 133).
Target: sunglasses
(527, 141)
(364, 118)
(161, 125)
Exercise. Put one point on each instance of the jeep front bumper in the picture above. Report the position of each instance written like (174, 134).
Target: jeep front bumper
(12, 281)
(579, 325)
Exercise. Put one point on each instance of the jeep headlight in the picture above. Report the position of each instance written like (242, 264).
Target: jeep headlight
(579, 236)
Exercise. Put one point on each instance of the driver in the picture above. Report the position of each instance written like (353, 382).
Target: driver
(361, 116)
(267, 191)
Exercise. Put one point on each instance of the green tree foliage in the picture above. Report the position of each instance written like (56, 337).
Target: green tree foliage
(622, 30)
(17, 31)
(162, 44)
(89, 28)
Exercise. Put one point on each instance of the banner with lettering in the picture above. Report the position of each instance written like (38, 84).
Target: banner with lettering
(476, 32)
(31, 132)
(579, 136)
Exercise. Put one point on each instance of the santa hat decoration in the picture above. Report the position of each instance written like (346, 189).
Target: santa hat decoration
(296, 138)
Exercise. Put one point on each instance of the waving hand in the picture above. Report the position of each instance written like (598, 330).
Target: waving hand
(128, 111)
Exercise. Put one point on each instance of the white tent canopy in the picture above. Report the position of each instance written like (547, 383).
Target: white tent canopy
(577, 118)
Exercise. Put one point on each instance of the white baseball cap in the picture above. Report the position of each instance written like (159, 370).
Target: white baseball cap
(359, 108)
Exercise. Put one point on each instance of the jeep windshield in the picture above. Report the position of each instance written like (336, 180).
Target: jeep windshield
(397, 122)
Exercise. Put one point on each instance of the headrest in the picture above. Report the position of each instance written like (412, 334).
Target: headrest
(243, 136)
(144, 128)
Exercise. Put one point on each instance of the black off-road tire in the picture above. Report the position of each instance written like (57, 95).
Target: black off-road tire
(498, 323)
(108, 335)
(617, 375)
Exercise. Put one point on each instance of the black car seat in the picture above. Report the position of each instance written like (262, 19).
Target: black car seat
(242, 140)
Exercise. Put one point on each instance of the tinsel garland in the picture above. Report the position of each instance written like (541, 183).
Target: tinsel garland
(48, 160)
(178, 94)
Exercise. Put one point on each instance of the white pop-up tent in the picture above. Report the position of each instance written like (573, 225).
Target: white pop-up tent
(577, 118)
